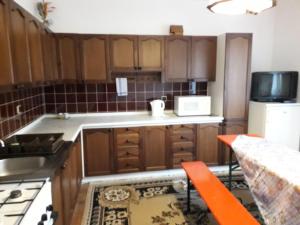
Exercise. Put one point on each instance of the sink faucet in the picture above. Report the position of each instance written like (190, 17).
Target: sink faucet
(2, 144)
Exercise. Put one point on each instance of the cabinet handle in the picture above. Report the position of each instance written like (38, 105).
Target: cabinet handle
(127, 129)
(127, 153)
(181, 160)
(139, 68)
(127, 165)
(181, 148)
(64, 166)
(181, 137)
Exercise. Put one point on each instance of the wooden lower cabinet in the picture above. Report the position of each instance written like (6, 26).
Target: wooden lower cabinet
(66, 184)
(236, 127)
(98, 151)
(207, 144)
(155, 148)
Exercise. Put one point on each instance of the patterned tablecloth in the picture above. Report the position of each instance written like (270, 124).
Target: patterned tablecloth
(273, 175)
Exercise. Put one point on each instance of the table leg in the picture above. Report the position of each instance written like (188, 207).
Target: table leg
(230, 169)
(188, 195)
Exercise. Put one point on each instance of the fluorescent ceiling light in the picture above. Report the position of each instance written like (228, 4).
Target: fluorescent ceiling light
(238, 7)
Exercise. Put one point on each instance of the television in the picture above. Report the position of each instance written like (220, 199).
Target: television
(277, 86)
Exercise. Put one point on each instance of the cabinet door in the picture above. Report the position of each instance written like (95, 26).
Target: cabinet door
(232, 128)
(68, 58)
(151, 51)
(66, 193)
(203, 61)
(6, 74)
(177, 56)
(19, 43)
(207, 143)
(155, 148)
(57, 198)
(49, 56)
(97, 151)
(238, 54)
(123, 53)
(35, 50)
(94, 58)
(74, 171)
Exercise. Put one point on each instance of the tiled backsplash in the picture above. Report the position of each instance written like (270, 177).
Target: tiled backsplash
(31, 101)
(102, 97)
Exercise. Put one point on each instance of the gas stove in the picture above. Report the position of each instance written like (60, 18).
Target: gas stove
(26, 203)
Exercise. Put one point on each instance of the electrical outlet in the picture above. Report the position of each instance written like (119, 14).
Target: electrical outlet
(164, 98)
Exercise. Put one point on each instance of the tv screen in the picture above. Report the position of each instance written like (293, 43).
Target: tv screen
(274, 86)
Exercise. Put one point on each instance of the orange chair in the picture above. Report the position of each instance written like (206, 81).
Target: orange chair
(226, 209)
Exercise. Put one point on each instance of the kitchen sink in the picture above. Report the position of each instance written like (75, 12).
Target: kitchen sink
(25, 165)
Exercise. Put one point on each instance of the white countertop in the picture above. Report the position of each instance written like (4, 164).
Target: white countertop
(72, 126)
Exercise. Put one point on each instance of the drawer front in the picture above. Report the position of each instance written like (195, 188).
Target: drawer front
(128, 130)
(182, 157)
(128, 164)
(183, 137)
(178, 129)
(127, 152)
(128, 139)
(183, 146)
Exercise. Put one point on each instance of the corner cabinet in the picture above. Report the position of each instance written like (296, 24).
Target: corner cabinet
(6, 66)
(98, 151)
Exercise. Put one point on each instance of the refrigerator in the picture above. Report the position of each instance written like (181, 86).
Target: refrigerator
(276, 122)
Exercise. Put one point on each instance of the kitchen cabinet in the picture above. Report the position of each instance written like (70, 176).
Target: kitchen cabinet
(177, 58)
(203, 58)
(94, 57)
(155, 148)
(68, 57)
(98, 151)
(123, 53)
(207, 144)
(151, 53)
(66, 184)
(127, 148)
(49, 56)
(19, 45)
(6, 67)
(35, 50)
(182, 144)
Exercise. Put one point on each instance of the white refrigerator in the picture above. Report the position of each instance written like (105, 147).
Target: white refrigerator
(277, 122)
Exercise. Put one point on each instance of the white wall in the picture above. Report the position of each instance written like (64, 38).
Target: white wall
(155, 17)
(286, 53)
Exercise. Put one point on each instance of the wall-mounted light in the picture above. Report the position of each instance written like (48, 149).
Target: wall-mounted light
(237, 7)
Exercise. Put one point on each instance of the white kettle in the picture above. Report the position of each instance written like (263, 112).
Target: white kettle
(157, 107)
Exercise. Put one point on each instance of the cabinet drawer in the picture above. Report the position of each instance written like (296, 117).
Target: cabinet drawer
(182, 128)
(183, 146)
(128, 139)
(178, 158)
(183, 137)
(127, 152)
(128, 164)
(128, 130)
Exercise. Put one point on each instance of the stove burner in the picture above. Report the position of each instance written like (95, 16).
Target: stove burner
(15, 194)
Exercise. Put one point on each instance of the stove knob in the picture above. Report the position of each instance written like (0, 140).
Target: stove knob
(49, 208)
(44, 217)
(40, 223)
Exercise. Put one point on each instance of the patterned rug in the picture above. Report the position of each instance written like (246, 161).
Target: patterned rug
(154, 203)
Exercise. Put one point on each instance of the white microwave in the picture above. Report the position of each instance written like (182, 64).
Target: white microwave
(192, 105)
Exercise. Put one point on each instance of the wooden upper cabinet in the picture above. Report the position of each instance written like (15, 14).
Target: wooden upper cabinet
(94, 58)
(6, 69)
(68, 53)
(203, 60)
(98, 151)
(49, 56)
(177, 56)
(150, 53)
(155, 148)
(35, 50)
(207, 144)
(123, 53)
(19, 44)
(238, 55)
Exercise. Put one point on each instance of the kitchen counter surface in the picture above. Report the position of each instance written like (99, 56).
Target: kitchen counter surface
(72, 126)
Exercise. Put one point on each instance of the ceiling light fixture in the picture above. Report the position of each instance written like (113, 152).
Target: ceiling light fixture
(238, 7)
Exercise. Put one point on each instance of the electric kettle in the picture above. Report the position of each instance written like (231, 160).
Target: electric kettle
(157, 107)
